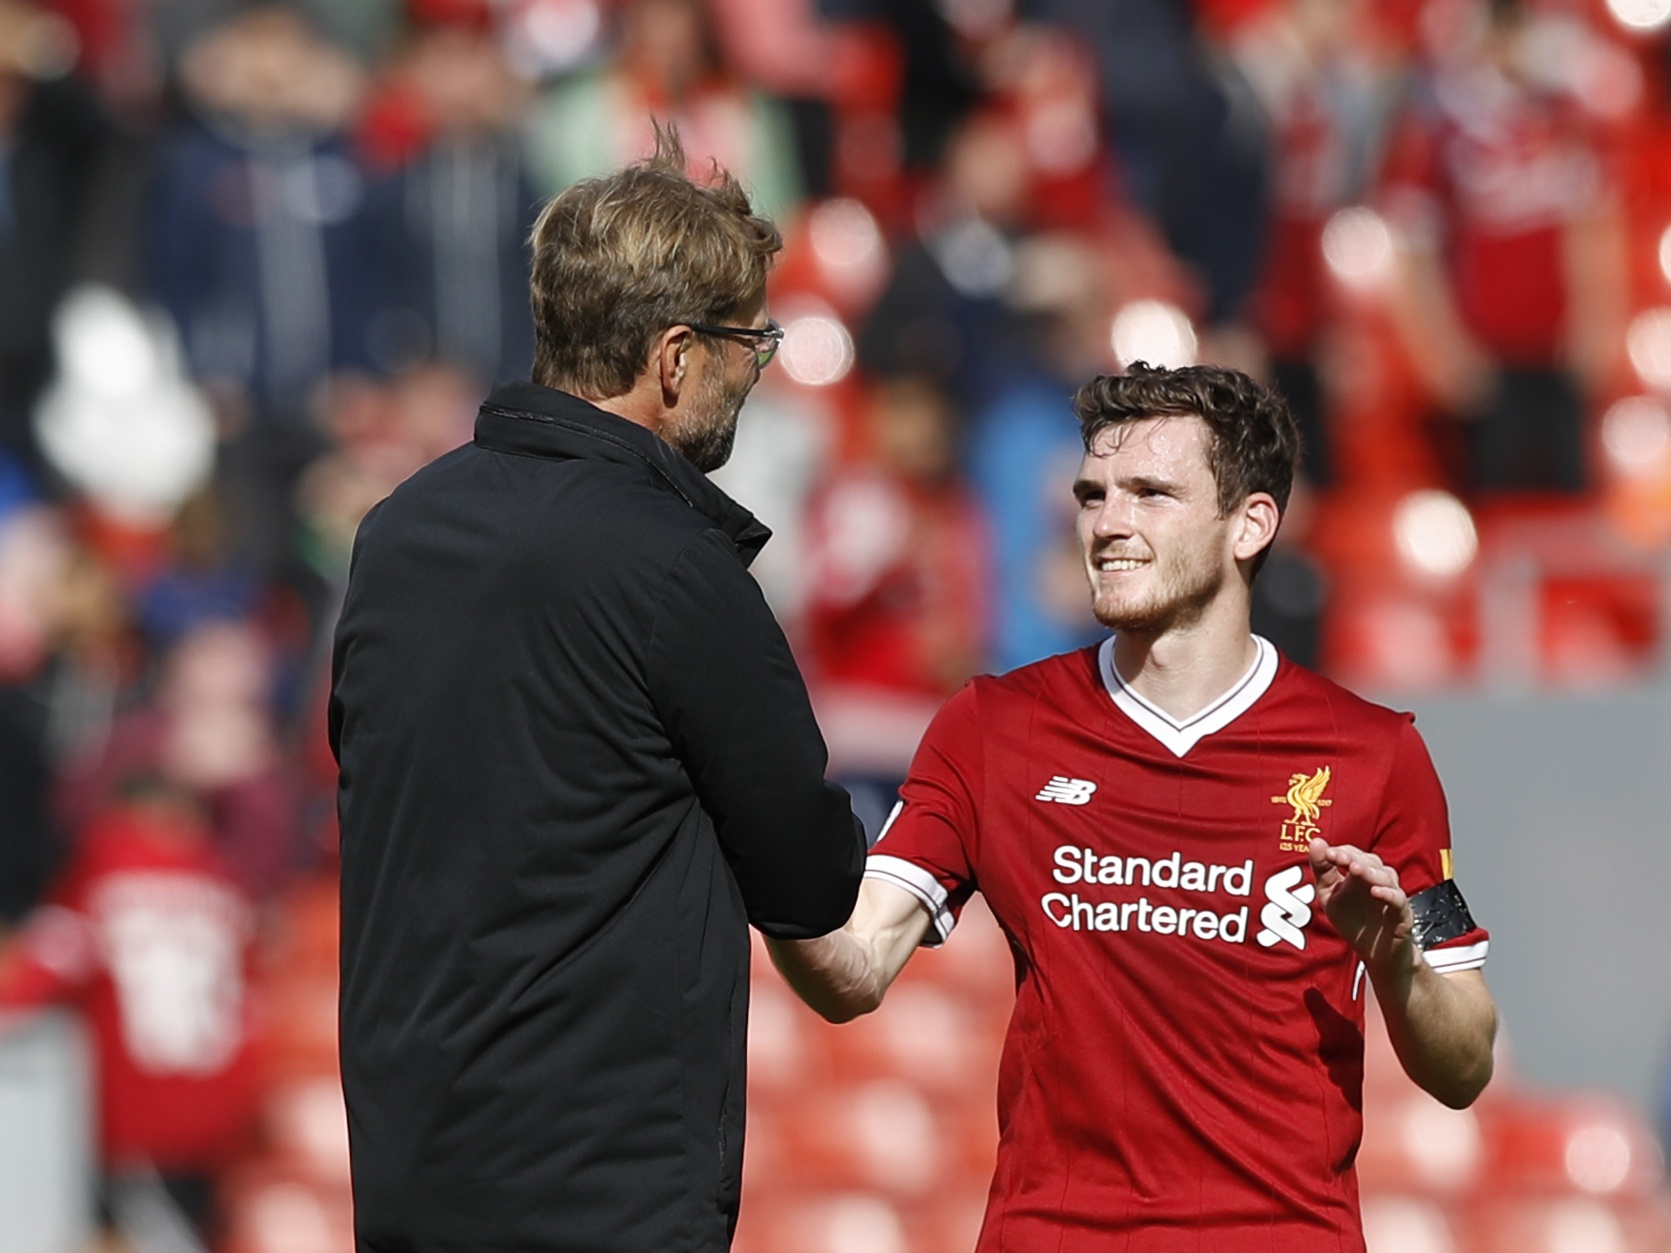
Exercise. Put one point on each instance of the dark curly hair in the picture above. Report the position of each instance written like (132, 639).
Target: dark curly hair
(1255, 444)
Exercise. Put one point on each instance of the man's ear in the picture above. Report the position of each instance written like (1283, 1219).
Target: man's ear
(672, 359)
(1257, 519)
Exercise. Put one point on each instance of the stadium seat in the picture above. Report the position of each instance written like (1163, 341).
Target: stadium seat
(926, 1034)
(822, 1222)
(1407, 1224)
(307, 1128)
(882, 1136)
(1550, 1225)
(1588, 1144)
(1413, 1144)
(269, 1210)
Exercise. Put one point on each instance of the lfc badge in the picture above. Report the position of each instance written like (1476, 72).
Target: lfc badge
(1305, 794)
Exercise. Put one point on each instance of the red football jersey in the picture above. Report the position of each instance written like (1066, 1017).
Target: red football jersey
(152, 937)
(1184, 1064)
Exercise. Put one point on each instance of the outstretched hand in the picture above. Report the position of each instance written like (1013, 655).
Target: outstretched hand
(1361, 895)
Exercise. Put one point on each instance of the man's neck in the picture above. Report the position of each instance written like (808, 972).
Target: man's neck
(1182, 670)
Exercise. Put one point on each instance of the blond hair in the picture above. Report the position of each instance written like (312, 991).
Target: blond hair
(619, 259)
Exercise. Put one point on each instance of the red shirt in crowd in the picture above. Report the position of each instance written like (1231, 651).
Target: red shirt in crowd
(151, 936)
(1184, 1065)
(897, 594)
(1499, 172)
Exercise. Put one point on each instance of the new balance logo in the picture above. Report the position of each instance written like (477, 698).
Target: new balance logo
(1066, 791)
(1288, 910)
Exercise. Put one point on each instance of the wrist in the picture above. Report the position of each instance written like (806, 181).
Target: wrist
(1394, 971)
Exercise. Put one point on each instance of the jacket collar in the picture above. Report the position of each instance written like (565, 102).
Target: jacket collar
(533, 421)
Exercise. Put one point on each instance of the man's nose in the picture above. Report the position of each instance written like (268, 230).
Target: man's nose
(1113, 519)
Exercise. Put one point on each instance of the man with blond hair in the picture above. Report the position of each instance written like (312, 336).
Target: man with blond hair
(577, 760)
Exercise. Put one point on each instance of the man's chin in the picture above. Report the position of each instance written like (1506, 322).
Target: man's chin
(1147, 618)
(710, 449)
(1128, 619)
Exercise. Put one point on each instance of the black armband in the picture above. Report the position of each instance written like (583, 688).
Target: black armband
(1441, 914)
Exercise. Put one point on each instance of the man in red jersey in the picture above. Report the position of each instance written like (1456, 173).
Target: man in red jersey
(1198, 851)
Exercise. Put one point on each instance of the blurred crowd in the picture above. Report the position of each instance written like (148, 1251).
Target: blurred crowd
(259, 261)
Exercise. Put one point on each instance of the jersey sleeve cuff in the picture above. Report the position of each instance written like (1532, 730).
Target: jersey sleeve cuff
(920, 884)
(1448, 961)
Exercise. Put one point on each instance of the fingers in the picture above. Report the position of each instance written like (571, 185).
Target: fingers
(1351, 863)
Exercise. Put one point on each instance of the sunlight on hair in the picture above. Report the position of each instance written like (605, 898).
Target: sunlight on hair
(1435, 534)
(1649, 344)
(1636, 432)
(1665, 253)
(849, 247)
(1153, 331)
(1640, 15)
(1358, 247)
(817, 348)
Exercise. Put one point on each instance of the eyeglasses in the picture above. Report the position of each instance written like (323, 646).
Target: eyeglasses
(765, 338)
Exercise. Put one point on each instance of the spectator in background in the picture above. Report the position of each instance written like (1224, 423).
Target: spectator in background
(456, 214)
(67, 653)
(53, 139)
(946, 311)
(1322, 84)
(1023, 445)
(31, 552)
(150, 936)
(938, 88)
(260, 246)
(262, 251)
(669, 65)
(1514, 303)
(381, 431)
(1188, 139)
(896, 612)
(209, 733)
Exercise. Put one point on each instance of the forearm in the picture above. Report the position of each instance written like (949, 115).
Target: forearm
(847, 972)
(1442, 1027)
(833, 974)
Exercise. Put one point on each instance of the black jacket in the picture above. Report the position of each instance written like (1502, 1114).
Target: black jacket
(576, 758)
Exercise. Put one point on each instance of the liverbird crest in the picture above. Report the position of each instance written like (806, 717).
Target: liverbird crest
(1305, 794)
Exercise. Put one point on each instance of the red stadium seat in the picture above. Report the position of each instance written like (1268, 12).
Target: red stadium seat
(1407, 1224)
(268, 1210)
(1413, 1144)
(1553, 1225)
(307, 1128)
(819, 1222)
(1589, 1144)
(883, 1136)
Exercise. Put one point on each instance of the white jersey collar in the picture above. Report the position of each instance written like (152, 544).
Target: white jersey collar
(1179, 737)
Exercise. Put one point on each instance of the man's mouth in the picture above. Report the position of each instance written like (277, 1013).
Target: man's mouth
(1112, 565)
